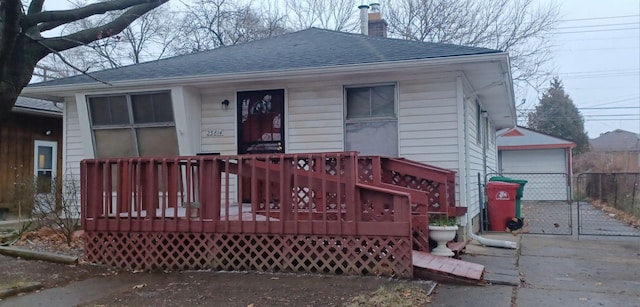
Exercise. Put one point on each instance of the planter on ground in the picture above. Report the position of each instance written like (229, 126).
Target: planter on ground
(442, 235)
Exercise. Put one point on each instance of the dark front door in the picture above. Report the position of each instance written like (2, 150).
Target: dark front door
(261, 122)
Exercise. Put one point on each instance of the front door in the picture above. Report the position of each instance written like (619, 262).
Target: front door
(45, 157)
(261, 122)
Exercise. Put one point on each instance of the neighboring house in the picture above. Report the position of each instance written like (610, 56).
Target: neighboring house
(618, 150)
(309, 91)
(541, 159)
(30, 147)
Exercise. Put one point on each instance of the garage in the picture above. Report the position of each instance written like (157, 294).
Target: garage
(541, 159)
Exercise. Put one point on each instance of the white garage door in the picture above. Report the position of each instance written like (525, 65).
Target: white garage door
(544, 169)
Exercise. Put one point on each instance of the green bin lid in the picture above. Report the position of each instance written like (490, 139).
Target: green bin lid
(507, 179)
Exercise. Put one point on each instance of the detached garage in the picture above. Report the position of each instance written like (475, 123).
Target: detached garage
(543, 160)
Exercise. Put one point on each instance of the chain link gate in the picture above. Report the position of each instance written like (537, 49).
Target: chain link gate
(608, 204)
(546, 202)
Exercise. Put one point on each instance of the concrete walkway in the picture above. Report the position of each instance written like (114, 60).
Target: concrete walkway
(545, 271)
(554, 271)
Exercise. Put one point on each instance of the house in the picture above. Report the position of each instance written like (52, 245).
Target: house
(541, 159)
(310, 91)
(30, 147)
(617, 150)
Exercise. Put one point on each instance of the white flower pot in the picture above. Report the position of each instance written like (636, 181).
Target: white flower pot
(442, 235)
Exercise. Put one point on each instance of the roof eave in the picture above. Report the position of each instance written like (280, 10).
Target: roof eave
(57, 93)
(31, 111)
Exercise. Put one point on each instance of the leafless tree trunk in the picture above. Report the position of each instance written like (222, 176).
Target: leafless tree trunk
(23, 45)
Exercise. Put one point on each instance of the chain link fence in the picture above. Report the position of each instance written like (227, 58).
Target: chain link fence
(608, 204)
(545, 205)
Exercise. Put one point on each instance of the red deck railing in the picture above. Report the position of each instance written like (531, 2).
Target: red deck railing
(280, 194)
(316, 212)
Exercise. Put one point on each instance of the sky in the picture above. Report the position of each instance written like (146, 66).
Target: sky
(595, 52)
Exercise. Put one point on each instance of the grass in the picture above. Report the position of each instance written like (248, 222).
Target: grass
(399, 295)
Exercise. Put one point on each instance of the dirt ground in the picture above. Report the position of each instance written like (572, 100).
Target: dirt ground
(213, 288)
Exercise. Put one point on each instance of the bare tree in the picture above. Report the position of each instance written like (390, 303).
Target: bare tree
(23, 45)
(520, 27)
(209, 24)
(338, 15)
(57, 205)
(147, 38)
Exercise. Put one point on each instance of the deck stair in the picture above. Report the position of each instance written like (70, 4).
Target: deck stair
(444, 269)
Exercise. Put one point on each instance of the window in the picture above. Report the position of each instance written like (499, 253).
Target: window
(370, 102)
(371, 126)
(133, 125)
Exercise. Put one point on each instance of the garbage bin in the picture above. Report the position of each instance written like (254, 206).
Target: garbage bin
(519, 193)
(501, 203)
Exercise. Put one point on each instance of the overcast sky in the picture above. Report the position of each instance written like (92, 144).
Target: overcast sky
(596, 53)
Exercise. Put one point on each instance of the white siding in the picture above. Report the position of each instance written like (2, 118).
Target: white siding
(428, 126)
(475, 155)
(492, 152)
(314, 118)
(215, 117)
(73, 146)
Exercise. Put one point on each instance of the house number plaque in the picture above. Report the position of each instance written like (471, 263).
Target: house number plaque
(214, 133)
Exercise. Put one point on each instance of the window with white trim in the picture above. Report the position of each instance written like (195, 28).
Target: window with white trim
(131, 125)
(371, 124)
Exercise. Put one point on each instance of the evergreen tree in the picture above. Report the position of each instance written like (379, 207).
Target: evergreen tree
(557, 115)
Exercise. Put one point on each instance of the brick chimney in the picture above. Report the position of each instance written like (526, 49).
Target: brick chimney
(377, 25)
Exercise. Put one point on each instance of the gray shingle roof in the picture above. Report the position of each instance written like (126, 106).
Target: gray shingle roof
(617, 140)
(529, 138)
(311, 48)
(32, 104)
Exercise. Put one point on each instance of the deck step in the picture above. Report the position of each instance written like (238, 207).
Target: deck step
(446, 270)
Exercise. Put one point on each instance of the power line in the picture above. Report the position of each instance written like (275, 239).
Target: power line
(607, 108)
(598, 38)
(594, 49)
(598, 18)
(599, 71)
(600, 25)
(592, 31)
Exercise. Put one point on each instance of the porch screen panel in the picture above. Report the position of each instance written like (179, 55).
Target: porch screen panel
(114, 143)
(133, 125)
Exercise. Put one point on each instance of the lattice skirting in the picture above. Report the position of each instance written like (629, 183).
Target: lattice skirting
(388, 256)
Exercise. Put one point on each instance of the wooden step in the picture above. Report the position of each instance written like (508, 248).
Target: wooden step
(446, 270)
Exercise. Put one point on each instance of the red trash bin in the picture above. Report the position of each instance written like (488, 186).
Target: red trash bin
(502, 203)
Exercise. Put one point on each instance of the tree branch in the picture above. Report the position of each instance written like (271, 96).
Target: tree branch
(57, 53)
(35, 6)
(67, 16)
(112, 28)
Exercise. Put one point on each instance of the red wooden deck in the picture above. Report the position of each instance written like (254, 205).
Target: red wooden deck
(316, 212)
